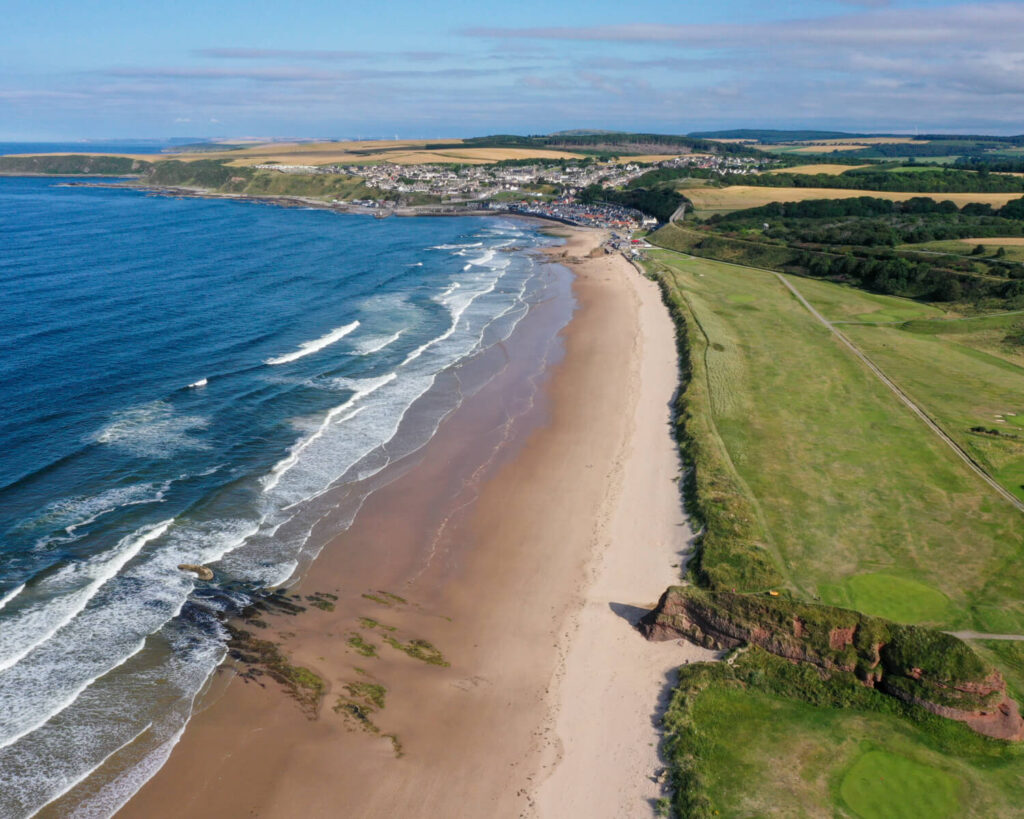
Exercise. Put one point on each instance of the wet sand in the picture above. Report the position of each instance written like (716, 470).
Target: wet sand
(545, 498)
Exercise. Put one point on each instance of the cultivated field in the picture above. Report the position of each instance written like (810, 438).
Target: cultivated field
(863, 504)
(833, 170)
(739, 197)
(400, 152)
(396, 152)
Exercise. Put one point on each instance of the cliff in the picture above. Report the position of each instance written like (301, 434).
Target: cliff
(919, 665)
(71, 165)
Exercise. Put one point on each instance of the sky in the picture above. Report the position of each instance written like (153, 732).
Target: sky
(71, 69)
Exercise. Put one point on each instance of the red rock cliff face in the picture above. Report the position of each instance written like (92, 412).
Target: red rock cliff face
(679, 616)
(687, 615)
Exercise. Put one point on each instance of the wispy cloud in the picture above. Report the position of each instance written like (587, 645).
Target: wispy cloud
(977, 24)
(869, 65)
(283, 74)
(314, 55)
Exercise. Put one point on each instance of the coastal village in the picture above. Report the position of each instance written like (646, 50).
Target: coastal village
(547, 190)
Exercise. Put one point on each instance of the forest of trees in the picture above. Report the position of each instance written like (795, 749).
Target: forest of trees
(872, 222)
(660, 203)
(938, 181)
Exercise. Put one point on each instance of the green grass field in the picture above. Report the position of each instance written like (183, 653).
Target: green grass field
(964, 388)
(843, 303)
(766, 756)
(1013, 250)
(864, 506)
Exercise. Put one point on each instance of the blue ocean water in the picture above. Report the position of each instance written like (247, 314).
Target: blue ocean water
(182, 381)
(85, 147)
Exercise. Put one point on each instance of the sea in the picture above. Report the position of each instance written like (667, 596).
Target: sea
(191, 381)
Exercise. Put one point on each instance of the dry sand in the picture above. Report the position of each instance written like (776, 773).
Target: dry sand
(612, 687)
(521, 536)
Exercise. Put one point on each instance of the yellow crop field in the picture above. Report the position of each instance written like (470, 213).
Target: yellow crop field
(646, 159)
(740, 197)
(884, 140)
(833, 170)
(401, 152)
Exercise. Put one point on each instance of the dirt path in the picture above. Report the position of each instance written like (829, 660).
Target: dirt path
(978, 635)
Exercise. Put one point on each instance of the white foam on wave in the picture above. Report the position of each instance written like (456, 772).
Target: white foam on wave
(86, 774)
(71, 514)
(457, 246)
(152, 430)
(363, 387)
(202, 382)
(484, 260)
(310, 347)
(24, 721)
(103, 637)
(375, 344)
(69, 591)
(457, 305)
(7, 598)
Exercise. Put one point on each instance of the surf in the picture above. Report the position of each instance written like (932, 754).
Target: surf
(317, 344)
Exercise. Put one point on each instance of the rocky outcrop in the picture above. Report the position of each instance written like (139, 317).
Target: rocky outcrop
(929, 668)
(202, 572)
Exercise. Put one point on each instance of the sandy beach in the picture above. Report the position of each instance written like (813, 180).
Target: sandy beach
(521, 542)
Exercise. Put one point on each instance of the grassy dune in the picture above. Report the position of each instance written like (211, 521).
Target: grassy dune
(709, 200)
(865, 507)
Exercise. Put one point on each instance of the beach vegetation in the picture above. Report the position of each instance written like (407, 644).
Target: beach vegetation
(384, 598)
(322, 600)
(396, 745)
(370, 623)
(358, 644)
(263, 657)
(419, 650)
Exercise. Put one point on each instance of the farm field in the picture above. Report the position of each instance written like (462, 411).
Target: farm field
(396, 152)
(400, 152)
(865, 506)
(767, 756)
(834, 170)
(709, 200)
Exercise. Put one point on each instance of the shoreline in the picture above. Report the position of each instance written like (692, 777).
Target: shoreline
(438, 210)
(522, 493)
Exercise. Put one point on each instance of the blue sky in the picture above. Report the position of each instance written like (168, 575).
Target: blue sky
(108, 68)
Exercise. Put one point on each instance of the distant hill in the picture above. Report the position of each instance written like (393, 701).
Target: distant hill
(612, 142)
(769, 136)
